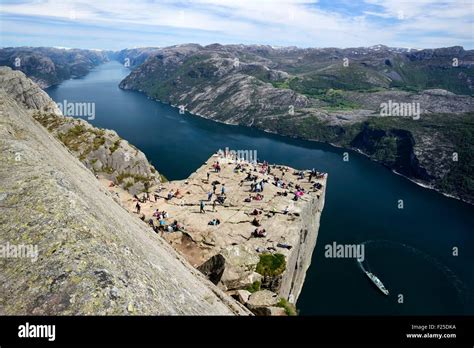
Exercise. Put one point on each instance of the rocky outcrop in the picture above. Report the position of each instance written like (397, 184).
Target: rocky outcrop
(234, 267)
(259, 301)
(26, 92)
(100, 150)
(103, 152)
(229, 252)
(87, 255)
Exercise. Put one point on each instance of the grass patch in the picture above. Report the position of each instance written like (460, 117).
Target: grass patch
(271, 265)
(135, 179)
(108, 170)
(115, 146)
(163, 178)
(289, 308)
(254, 287)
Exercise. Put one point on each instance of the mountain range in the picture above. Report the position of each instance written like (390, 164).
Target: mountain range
(331, 95)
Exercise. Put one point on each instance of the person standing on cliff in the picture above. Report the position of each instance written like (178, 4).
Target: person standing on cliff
(138, 207)
(223, 189)
(208, 176)
(201, 207)
(209, 196)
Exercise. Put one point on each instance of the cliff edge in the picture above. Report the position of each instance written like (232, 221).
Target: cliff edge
(251, 228)
(67, 247)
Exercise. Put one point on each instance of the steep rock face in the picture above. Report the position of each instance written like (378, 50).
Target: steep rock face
(300, 259)
(93, 256)
(229, 253)
(101, 150)
(26, 92)
(213, 82)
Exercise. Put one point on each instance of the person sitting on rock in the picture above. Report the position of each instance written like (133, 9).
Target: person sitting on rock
(214, 222)
(248, 199)
(255, 222)
(260, 233)
(258, 197)
(174, 225)
(317, 186)
(170, 195)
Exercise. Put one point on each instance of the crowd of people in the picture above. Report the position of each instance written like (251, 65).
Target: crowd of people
(259, 175)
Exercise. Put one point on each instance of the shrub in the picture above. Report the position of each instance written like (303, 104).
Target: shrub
(254, 287)
(289, 308)
(271, 265)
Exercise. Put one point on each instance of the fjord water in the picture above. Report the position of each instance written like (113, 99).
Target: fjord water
(409, 249)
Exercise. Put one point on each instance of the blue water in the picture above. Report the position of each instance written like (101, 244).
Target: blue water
(410, 249)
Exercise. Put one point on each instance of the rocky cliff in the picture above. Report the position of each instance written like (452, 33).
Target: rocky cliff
(67, 247)
(220, 239)
(100, 150)
(49, 66)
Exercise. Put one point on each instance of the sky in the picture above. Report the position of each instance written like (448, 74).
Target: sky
(118, 24)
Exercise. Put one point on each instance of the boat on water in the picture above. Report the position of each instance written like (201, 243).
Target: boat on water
(375, 280)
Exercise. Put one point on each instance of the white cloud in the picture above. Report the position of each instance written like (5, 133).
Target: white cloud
(288, 22)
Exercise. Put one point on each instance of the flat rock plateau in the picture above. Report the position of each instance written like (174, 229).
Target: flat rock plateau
(229, 253)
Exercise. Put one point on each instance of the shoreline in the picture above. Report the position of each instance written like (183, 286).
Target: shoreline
(415, 181)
